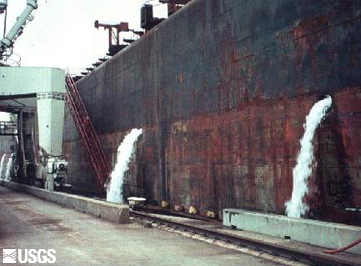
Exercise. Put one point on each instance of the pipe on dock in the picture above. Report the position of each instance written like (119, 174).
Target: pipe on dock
(334, 251)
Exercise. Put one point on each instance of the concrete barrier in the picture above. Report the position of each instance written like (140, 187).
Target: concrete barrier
(117, 213)
(324, 234)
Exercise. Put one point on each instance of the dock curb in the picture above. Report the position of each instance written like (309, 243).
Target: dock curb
(112, 212)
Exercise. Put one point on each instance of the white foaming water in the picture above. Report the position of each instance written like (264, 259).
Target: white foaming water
(9, 165)
(124, 154)
(2, 166)
(295, 207)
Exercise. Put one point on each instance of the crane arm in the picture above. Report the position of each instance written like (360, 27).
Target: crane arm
(8, 40)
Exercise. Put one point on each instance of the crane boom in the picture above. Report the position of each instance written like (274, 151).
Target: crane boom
(8, 40)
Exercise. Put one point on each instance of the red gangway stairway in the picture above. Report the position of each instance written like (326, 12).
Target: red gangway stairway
(87, 133)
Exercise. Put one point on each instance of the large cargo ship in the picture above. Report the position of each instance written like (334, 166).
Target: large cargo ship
(221, 90)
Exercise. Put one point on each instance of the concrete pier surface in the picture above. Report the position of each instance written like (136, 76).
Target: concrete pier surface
(27, 222)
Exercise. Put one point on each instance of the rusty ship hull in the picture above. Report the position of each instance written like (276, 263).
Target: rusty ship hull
(221, 90)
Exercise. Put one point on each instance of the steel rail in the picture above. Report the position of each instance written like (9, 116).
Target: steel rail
(309, 257)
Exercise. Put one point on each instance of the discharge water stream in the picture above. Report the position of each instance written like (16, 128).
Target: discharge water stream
(2, 166)
(295, 207)
(124, 154)
(9, 166)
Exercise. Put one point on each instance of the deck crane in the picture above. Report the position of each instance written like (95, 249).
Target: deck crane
(8, 41)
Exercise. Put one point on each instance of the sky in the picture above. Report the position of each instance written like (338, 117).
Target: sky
(62, 33)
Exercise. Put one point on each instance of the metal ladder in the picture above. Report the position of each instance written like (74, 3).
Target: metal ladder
(87, 133)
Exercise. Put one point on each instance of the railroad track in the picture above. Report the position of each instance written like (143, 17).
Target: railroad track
(290, 253)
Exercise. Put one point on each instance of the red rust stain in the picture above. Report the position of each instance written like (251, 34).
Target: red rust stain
(219, 157)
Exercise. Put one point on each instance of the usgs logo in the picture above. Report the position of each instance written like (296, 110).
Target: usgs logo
(29, 256)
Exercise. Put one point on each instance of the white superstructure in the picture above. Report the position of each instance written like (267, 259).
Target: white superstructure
(41, 91)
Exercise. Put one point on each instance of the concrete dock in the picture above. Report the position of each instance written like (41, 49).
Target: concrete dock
(27, 222)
